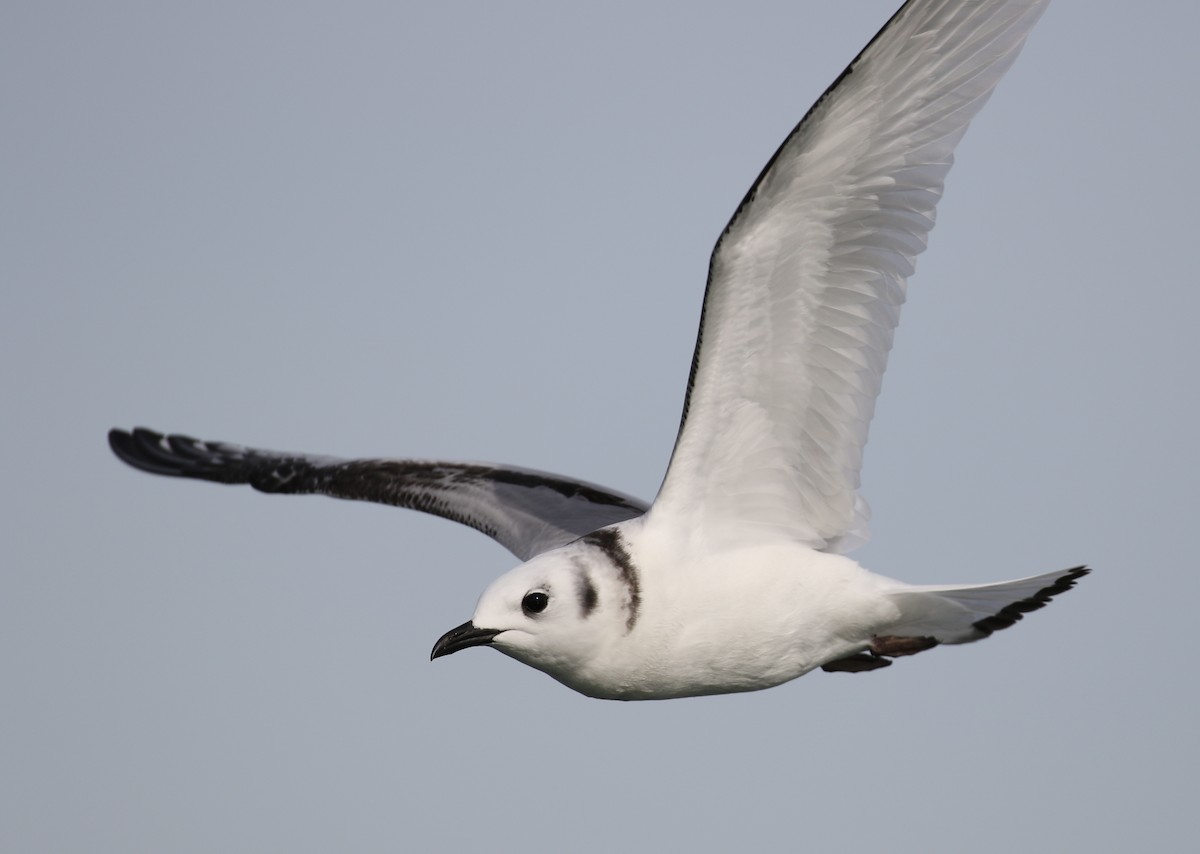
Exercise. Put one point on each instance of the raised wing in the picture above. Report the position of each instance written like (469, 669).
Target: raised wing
(527, 512)
(806, 282)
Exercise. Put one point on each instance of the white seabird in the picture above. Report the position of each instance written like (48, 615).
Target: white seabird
(735, 578)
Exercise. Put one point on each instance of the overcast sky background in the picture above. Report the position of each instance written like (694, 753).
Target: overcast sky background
(480, 231)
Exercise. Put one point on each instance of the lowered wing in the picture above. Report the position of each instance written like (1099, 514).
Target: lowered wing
(526, 511)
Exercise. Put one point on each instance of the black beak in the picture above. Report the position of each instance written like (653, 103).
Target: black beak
(460, 638)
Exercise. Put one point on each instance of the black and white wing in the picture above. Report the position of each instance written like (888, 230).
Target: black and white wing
(806, 282)
(527, 512)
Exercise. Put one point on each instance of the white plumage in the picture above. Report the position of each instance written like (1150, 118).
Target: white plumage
(734, 579)
(806, 283)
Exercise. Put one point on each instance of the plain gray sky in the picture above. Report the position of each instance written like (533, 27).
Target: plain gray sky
(480, 231)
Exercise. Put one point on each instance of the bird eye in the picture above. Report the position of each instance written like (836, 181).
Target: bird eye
(535, 603)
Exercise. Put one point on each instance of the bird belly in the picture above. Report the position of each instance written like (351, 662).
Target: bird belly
(740, 621)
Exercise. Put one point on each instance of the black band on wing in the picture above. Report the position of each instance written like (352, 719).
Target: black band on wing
(526, 511)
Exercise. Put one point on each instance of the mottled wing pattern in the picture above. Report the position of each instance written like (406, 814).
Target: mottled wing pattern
(525, 511)
(806, 283)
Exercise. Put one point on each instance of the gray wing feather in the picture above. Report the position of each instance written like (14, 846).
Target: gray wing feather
(526, 511)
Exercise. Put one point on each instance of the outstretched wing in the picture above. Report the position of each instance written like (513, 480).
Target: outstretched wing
(806, 282)
(527, 512)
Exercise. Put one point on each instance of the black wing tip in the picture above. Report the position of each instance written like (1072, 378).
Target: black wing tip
(142, 448)
(174, 455)
(1011, 613)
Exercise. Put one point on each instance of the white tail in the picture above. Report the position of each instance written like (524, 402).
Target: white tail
(965, 614)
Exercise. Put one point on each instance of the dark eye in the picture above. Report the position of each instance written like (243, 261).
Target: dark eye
(535, 603)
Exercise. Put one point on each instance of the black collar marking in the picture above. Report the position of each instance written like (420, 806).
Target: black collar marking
(609, 541)
(585, 590)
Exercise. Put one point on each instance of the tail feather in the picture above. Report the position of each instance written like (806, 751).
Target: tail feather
(965, 614)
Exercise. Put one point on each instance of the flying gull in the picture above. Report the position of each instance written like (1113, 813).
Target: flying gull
(735, 578)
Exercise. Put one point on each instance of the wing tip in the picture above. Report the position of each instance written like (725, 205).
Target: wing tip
(142, 449)
(174, 455)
